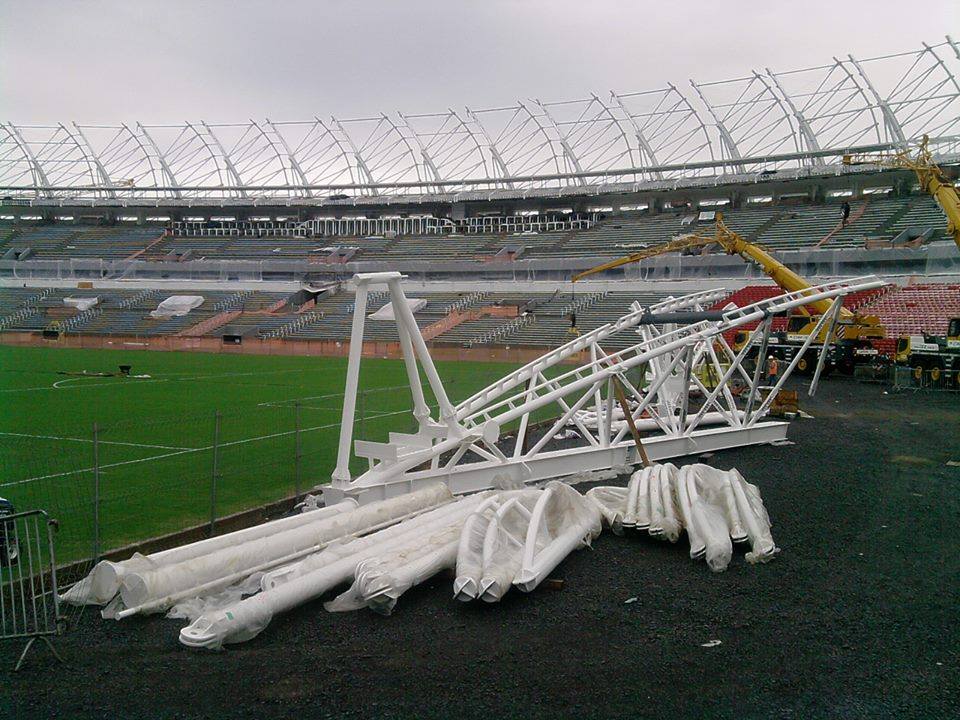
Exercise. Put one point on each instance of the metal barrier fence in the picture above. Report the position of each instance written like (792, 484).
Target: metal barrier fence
(920, 378)
(29, 604)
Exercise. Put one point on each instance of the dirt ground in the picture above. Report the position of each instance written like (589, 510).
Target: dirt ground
(857, 618)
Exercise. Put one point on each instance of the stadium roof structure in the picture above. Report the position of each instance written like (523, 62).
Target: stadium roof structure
(796, 122)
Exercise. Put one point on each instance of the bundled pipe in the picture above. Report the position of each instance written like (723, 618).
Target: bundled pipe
(503, 545)
(156, 589)
(561, 522)
(287, 588)
(380, 581)
(103, 582)
(519, 540)
(716, 508)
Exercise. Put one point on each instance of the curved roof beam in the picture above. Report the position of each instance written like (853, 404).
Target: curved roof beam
(642, 142)
(890, 122)
(279, 145)
(494, 151)
(146, 141)
(346, 142)
(39, 176)
(726, 139)
(415, 146)
(92, 159)
(551, 124)
(806, 132)
(214, 146)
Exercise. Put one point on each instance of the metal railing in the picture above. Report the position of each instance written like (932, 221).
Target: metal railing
(29, 604)
(920, 378)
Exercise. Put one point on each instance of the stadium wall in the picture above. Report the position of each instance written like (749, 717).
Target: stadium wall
(274, 346)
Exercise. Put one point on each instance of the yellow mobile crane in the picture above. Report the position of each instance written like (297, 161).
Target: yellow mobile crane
(854, 332)
(931, 177)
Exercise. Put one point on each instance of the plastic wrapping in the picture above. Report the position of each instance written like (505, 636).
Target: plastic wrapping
(177, 305)
(503, 545)
(562, 521)
(102, 583)
(715, 507)
(157, 589)
(469, 564)
(611, 502)
(670, 524)
(712, 528)
(381, 580)
(310, 578)
(192, 608)
(756, 521)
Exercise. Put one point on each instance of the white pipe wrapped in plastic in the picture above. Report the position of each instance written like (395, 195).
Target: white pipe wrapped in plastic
(562, 521)
(611, 501)
(246, 619)
(670, 526)
(755, 519)
(156, 589)
(716, 508)
(470, 550)
(103, 582)
(684, 491)
(503, 546)
(380, 581)
(383, 540)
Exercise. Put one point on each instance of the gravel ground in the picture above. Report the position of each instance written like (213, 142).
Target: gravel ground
(856, 618)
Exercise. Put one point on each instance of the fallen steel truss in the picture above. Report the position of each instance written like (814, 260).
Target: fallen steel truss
(498, 437)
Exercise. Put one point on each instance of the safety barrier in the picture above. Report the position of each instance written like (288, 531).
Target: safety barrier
(919, 378)
(29, 604)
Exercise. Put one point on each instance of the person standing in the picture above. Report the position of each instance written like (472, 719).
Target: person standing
(773, 370)
(845, 213)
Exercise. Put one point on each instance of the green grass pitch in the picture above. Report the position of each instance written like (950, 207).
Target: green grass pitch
(156, 434)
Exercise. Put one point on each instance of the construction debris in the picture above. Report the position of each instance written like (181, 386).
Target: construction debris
(230, 587)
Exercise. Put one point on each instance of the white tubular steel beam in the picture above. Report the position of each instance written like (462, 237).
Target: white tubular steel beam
(543, 147)
(468, 436)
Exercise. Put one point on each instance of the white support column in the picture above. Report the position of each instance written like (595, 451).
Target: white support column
(420, 410)
(342, 472)
(403, 314)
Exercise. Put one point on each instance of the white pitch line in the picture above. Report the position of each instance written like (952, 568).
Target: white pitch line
(89, 440)
(131, 382)
(187, 451)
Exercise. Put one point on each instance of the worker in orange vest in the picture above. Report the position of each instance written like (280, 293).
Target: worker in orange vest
(773, 370)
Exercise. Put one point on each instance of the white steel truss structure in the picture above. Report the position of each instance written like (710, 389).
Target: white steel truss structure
(493, 436)
(762, 121)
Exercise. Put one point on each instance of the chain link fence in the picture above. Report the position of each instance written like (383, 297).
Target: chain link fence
(118, 484)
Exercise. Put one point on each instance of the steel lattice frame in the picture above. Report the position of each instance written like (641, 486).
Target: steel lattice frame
(764, 120)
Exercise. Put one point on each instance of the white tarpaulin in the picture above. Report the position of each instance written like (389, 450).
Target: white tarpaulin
(81, 304)
(386, 312)
(176, 305)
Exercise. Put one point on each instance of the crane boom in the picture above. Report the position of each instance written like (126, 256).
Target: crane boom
(931, 177)
(733, 244)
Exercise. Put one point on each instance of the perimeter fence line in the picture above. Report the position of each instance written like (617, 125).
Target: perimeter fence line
(115, 485)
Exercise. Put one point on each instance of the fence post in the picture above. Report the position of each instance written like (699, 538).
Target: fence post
(215, 471)
(361, 396)
(96, 492)
(297, 453)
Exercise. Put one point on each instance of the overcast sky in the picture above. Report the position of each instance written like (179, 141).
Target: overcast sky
(231, 60)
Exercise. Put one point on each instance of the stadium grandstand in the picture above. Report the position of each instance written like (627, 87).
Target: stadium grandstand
(488, 211)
